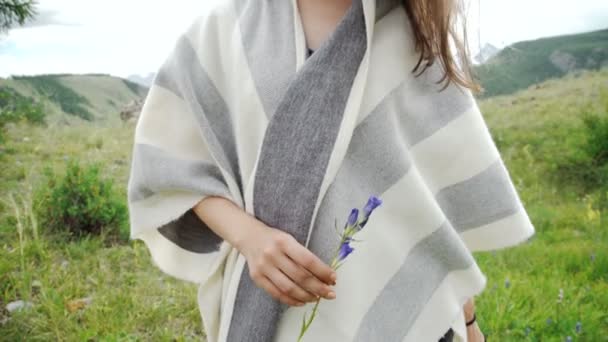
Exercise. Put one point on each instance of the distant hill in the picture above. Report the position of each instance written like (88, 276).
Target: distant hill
(525, 63)
(93, 97)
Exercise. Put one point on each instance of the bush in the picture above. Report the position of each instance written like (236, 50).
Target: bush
(596, 145)
(587, 163)
(596, 142)
(80, 203)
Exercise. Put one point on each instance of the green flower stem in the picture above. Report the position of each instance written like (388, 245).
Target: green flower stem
(306, 324)
(333, 265)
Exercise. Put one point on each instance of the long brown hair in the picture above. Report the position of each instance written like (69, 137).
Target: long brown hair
(435, 23)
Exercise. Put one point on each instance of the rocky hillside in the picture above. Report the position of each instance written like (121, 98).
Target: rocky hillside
(525, 63)
(91, 97)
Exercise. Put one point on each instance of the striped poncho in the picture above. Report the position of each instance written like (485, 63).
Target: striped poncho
(238, 111)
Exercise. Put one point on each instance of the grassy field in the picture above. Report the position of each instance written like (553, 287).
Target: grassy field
(108, 290)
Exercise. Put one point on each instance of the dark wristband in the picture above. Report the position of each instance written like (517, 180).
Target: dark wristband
(472, 320)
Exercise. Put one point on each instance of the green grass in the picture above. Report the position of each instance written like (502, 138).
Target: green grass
(131, 298)
(535, 130)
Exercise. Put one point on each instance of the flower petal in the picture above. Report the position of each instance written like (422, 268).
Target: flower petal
(352, 218)
(345, 250)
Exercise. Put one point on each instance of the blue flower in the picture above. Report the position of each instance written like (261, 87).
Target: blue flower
(352, 226)
(352, 218)
(345, 250)
(507, 283)
(372, 203)
(579, 327)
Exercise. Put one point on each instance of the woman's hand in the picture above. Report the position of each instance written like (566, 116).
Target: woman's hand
(277, 262)
(474, 333)
(288, 271)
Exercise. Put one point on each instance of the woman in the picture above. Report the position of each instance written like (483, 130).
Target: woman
(271, 119)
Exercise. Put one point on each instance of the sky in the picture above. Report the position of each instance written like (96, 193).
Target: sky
(125, 37)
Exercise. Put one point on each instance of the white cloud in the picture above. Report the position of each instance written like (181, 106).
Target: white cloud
(111, 36)
(504, 22)
(123, 37)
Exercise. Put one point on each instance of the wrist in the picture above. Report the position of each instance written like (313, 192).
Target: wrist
(470, 321)
(252, 228)
(469, 310)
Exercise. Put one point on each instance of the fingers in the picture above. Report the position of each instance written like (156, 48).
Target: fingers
(265, 283)
(290, 272)
(307, 259)
(303, 278)
(288, 287)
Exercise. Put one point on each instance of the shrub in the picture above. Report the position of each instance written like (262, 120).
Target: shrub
(596, 145)
(587, 163)
(80, 203)
(596, 142)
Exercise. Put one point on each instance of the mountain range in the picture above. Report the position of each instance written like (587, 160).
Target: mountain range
(99, 97)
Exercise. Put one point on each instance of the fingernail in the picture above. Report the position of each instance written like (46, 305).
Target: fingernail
(333, 277)
(331, 294)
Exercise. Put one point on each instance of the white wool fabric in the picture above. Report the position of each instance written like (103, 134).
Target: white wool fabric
(238, 110)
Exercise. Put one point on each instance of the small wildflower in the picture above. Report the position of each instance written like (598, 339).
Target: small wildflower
(507, 283)
(568, 339)
(579, 327)
(352, 218)
(560, 295)
(345, 250)
(351, 227)
(372, 203)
